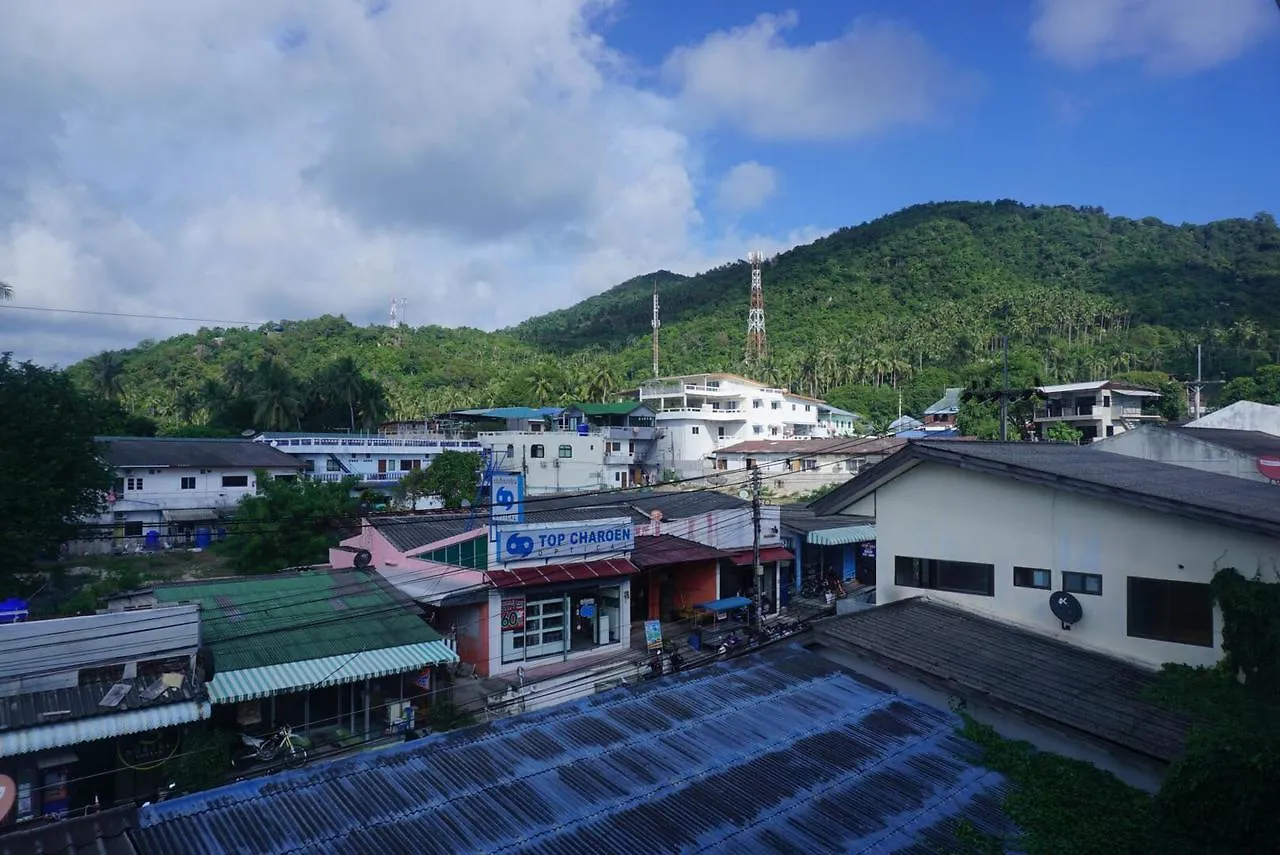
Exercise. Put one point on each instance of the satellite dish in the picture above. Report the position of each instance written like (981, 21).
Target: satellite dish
(363, 559)
(1066, 608)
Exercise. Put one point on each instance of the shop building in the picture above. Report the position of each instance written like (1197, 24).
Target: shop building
(91, 707)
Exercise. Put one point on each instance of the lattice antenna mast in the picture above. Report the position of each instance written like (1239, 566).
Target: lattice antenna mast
(657, 322)
(757, 344)
(394, 323)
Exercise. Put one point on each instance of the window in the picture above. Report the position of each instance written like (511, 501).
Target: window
(1164, 610)
(961, 577)
(537, 451)
(694, 430)
(756, 403)
(810, 464)
(332, 465)
(566, 451)
(614, 446)
(775, 405)
(134, 484)
(719, 432)
(1082, 583)
(1032, 577)
(133, 529)
(631, 444)
(235, 480)
(189, 482)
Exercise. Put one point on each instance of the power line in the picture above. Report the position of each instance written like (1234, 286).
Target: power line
(138, 315)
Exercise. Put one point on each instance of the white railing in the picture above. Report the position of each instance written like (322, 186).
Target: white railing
(363, 476)
(370, 442)
(705, 411)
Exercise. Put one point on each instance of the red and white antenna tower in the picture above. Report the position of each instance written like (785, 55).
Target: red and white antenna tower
(657, 322)
(757, 344)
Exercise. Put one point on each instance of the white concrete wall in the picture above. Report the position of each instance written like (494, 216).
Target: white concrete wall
(729, 528)
(584, 471)
(936, 511)
(1171, 446)
(162, 489)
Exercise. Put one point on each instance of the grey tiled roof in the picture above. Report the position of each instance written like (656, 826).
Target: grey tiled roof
(776, 752)
(801, 518)
(1066, 685)
(1162, 487)
(1252, 442)
(35, 709)
(169, 451)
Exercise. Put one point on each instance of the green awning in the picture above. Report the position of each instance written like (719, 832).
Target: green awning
(841, 536)
(229, 687)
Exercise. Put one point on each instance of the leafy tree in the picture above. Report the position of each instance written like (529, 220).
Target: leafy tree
(451, 476)
(289, 523)
(1172, 403)
(53, 477)
(1063, 432)
(1263, 387)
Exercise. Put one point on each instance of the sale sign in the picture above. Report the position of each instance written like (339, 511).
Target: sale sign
(513, 614)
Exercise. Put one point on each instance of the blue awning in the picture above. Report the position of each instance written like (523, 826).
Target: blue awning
(725, 604)
(97, 727)
(228, 687)
(844, 534)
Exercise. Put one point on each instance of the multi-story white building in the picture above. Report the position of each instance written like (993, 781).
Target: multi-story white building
(375, 459)
(703, 412)
(1097, 409)
(168, 489)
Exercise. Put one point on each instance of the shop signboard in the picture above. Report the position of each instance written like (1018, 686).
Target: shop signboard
(423, 680)
(653, 634)
(512, 614)
(506, 503)
(543, 541)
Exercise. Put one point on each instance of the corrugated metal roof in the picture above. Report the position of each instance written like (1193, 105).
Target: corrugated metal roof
(803, 519)
(108, 726)
(414, 531)
(620, 408)
(291, 617)
(234, 686)
(549, 574)
(767, 554)
(104, 833)
(666, 549)
(776, 752)
(948, 403)
(55, 706)
(171, 451)
(69, 644)
(842, 446)
(1038, 675)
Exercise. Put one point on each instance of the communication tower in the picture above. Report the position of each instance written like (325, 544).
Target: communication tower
(397, 312)
(757, 344)
(657, 322)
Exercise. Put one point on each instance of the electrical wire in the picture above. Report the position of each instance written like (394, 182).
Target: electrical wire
(105, 314)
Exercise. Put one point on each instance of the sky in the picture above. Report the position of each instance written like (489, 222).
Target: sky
(254, 160)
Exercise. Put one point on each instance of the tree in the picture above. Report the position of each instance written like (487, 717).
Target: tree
(412, 487)
(53, 476)
(451, 476)
(290, 523)
(106, 373)
(6, 291)
(1063, 432)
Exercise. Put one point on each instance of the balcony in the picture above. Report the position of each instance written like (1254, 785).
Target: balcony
(339, 444)
(639, 434)
(703, 412)
(1065, 413)
(365, 477)
(674, 390)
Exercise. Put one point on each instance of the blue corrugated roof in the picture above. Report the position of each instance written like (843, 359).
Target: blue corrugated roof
(777, 752)
(514, 412)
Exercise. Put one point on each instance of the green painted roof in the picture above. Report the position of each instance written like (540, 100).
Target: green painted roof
(620, 408)
(271, 620)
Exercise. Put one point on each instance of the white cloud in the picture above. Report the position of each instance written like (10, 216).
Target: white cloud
(874, 77)
(261, 159)
(1167, 36)
(746, 187)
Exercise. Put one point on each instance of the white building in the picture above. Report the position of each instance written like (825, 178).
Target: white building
(1242, 415)
(789, 466)
(1097, 409)
(703, 412)
(377, 460)
(1252, 455)
(1001, 529)
(168, 489)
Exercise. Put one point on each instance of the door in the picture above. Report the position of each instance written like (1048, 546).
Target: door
(382, 467)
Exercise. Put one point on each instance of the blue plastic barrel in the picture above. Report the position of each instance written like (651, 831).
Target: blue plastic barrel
(13, 610)
(584, 429)
(152, 540)
(202, 538)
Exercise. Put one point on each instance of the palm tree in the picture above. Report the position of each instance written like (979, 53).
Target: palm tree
(106, 373)
(342, 383)
(277, 402)
(6, 291)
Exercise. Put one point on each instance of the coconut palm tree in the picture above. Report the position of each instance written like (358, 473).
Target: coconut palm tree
(106, 373)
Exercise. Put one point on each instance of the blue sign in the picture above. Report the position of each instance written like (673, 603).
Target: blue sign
(506, 502)
(544, 540)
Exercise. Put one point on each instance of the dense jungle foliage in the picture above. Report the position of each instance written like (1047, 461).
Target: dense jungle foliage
(896, 308)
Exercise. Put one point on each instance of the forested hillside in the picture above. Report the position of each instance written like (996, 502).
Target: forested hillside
(911, 302)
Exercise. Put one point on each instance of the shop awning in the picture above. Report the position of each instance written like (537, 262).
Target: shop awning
(550, 574)
(664, 550)
(230, 687)
(767, 554)
(97, 727)
(725, 604)
(843, 535)
(189, 515)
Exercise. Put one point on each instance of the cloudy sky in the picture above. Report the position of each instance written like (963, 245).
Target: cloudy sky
(250, 160)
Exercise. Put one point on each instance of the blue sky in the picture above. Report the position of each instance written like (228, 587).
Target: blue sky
(491, 160)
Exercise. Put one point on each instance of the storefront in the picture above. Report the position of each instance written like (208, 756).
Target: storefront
(538, 624)
(738, 579)
(674, 575)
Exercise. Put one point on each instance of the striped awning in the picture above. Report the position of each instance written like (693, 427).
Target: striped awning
(843, 535)
(229, 687)
(96, 727)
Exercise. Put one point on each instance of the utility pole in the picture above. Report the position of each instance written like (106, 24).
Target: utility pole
(1004, 394)
(1195, 407)
(755, 543)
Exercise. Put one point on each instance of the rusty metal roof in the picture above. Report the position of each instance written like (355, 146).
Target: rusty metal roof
(663, 550)
(775, 752)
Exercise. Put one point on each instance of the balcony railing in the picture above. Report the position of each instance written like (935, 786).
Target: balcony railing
(704, 412)
(1083, 412)
(365, 477)
(347, 442)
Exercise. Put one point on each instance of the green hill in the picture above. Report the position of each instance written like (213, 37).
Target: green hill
(914, 301)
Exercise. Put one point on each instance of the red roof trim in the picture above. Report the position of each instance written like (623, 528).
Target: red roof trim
(768, 553)
(550, 574)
